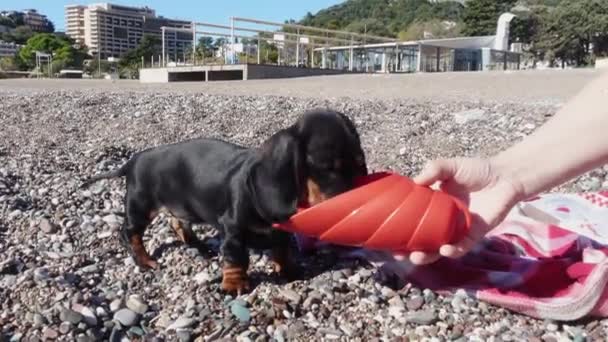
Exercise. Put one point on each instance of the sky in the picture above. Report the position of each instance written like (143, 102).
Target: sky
(213, 11)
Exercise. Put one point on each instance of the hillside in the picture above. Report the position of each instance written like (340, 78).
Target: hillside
(408, 19)
(382, 17)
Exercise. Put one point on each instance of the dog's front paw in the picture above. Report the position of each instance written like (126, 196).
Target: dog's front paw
(290, 271)
(234, 279)
(283, 263)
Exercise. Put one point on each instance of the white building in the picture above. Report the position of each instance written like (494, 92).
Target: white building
(8, 49)
(481, 53)
(112, 30)
(74, 22)
(31, 18)
(36, 21)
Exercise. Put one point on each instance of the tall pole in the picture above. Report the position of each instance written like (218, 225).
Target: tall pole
(312, 53)
(98, 48)
(162, 29)
(352, 55)
(193, 43)
(297, 48)
(231, 40)
(259, 46)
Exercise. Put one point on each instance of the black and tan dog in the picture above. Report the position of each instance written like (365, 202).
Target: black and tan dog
(240, 191)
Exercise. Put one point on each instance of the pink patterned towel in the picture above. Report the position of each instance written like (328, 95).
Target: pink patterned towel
(548, 260)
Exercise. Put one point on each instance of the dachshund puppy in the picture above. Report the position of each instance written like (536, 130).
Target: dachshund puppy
(240, 191)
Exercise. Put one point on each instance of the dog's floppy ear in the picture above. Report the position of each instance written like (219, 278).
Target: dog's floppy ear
(350, 125)
(276, 179)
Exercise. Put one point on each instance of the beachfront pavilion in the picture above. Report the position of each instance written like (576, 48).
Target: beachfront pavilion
(431, 55)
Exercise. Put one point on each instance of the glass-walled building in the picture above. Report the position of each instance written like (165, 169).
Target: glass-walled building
(437, 55)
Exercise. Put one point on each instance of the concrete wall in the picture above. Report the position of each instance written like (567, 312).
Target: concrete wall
(227, 72)
(159, 75)
(255, 71)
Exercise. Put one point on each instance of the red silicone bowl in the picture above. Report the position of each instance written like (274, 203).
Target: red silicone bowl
(385, 211)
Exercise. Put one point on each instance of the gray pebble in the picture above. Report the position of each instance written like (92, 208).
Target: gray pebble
(396, 302)
(65, 327)
(184, 335)
(290, 295)
(422, 317)
(88, 316)
(115, 305)
(47, 227)
(126, 317)
(68, 315)
(50, 334)
(181, 323)
(137, 304)
(415, 303)
(38, 320)
(90, 269)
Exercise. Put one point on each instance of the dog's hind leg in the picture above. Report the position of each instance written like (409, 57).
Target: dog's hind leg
(139, 215)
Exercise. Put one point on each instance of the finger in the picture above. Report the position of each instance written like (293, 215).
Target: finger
(421, 258)
(436, 170)
(401, 256)
(457, 250)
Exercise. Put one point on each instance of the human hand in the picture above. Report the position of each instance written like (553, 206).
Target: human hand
(482, 186)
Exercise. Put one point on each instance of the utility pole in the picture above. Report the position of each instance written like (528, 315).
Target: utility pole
(98, 49)
(163, 45)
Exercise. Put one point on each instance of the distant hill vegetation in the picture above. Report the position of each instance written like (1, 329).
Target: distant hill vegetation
(382, 17)
(416, 19)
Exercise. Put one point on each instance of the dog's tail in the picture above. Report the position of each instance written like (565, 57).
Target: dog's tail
(120, 172)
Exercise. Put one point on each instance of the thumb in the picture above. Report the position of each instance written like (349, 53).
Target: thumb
(436, 170)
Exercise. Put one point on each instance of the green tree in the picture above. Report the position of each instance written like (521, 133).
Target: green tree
(576, 31)
(58, 47)
(481, 16)
(268, 52)
(130, 63)
(434, 27)
(205, 47)
(8, 64)
(20, 35)
(382, 17)
(93, 66)
(369, 25)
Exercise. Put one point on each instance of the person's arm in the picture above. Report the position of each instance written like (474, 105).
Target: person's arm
(569, 144)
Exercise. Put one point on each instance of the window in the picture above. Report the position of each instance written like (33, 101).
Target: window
(120, 32)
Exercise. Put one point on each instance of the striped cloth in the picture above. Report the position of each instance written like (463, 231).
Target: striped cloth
(548, 260)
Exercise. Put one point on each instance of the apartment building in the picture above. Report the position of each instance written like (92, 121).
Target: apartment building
(30, 18)
(74, 22)
(36, 21)
(177, 43)
(8, 49)
(112, 30)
